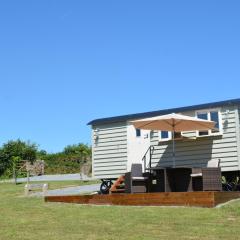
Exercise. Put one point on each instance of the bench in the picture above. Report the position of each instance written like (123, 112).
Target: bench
(36, 186)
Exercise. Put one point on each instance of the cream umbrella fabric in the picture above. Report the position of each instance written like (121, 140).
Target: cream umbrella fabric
(174, 123)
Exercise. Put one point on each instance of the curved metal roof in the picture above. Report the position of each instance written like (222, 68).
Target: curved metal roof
(123, 118)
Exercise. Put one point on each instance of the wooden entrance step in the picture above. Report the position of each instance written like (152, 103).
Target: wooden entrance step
(118, 186)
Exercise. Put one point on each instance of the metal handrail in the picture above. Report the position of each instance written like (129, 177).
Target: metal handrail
(150, 150)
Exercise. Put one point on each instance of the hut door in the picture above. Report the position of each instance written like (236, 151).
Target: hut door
(138, 144)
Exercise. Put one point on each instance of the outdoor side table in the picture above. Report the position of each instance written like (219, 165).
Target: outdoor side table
(157, 179)
(179, 179)
(170, 179)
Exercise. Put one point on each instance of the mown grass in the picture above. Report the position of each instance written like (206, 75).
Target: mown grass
(32, 218)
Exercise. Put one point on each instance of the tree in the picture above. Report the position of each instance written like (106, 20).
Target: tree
(15, 151)
(82, 150)
(41, 154)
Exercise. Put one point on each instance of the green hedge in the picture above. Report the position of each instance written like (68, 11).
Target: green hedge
(61, 163)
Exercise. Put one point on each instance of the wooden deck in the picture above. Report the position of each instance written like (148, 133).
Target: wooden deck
(197, 199)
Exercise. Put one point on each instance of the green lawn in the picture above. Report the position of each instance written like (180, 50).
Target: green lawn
(32, 218)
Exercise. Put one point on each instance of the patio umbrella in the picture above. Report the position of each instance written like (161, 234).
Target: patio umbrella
(174, 123)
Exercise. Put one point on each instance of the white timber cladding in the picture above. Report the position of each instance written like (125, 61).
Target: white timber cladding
(109, 143)
(237, 115)
(198, 151)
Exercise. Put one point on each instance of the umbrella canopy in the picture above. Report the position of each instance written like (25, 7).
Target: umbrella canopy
(174, 123)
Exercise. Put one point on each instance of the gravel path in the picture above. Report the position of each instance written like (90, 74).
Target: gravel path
(57, 177)
(62, 191)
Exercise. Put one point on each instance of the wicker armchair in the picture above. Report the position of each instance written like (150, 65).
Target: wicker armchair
(207, 179)
(135, 181)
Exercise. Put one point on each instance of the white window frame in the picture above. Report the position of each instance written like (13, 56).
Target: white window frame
(210, 133)
(164, 139)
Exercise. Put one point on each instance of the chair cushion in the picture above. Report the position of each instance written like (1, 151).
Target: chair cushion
(213, 163)
(139, 178)
(196, 175)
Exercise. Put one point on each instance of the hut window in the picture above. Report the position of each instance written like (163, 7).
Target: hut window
(203, 115)
(212, 115)
(138, 132)
(164, 135)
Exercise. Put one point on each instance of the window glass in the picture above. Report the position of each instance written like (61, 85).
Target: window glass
(214, 117)
(203, 116)
(164, 134)
(138, 132)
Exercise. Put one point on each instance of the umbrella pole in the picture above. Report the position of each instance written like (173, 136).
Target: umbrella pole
(173, 149)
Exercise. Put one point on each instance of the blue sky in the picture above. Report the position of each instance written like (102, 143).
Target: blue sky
(64, 63)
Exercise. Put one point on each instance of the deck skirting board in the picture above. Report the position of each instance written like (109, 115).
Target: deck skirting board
(197, 199)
